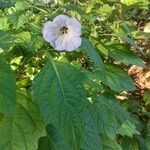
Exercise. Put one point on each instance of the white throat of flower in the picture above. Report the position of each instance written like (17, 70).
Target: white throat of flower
(65, 32)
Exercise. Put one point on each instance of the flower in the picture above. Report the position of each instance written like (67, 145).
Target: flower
(63, 33)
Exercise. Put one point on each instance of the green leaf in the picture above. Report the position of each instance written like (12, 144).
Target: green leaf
(148, 135)
(113, 116)
(109, 144)
(103, 121)
(79, 10)
(75, 8)
(35, 42)
(91, 80)
(60, 95)
(127, 39)
(22, 131)
(21, 5)
(6, 40)
(103, 49)
(141, 142)
(7, 90)
(1, 116)
(146, 97)
(128, 129)
(44, 143)
(117, 79)
(5, 4)
(54, 140)
(110, 116)
(141, 35)
(18, 19)
(23, 37)
(130, 144)
(91, 51)
(91, 138)
(123, 54)
(135, 2)
(148, 142)
(130, 2)
(4, 23)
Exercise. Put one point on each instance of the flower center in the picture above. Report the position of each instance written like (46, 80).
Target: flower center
(64, 30)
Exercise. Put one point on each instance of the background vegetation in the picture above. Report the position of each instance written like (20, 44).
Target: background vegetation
(85, 99)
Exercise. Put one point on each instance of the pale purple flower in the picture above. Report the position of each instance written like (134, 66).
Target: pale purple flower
(63, 33)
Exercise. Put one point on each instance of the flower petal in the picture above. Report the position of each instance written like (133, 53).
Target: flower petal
(61, 19)
(59, 44)
(50, 31)
(73, 44)
(75, 27)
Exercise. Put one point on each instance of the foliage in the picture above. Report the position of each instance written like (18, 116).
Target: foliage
(70, 101)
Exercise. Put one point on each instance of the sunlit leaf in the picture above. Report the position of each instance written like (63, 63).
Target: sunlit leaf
(146, 97)
(124, 55)
(18, 19)
(117, 79)
(6, 40)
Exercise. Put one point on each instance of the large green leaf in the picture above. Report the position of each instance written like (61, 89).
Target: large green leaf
(7, 90)
(91, 51)
(124, 55)
(22, 131)
(60, 95)
(54, 140)
(91, 138)
(104, 120)
(117, 79)
(110, 117)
